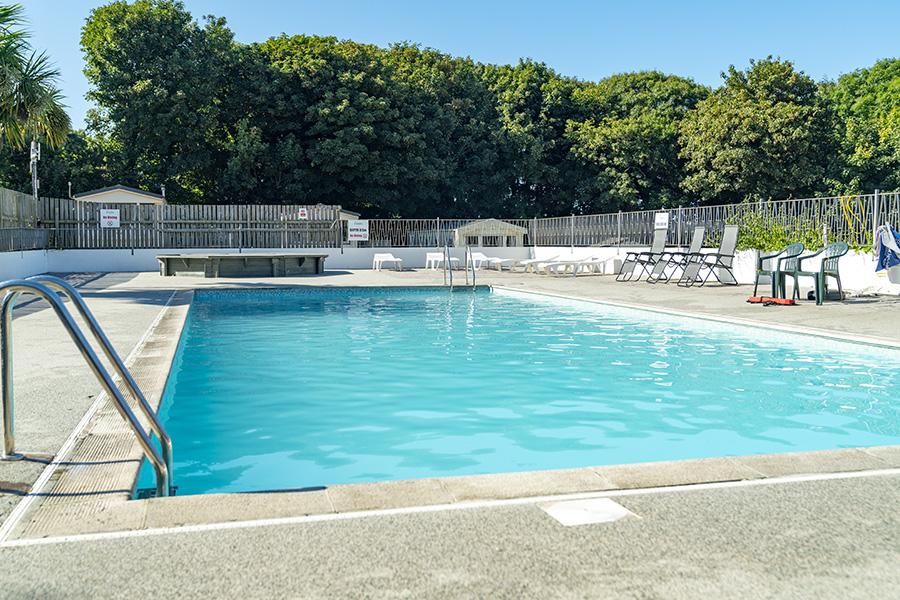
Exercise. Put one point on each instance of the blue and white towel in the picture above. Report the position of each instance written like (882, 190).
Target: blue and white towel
(887, 247)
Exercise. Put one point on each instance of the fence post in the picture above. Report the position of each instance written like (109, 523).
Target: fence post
(680, 214)
(437, 233)
(572, 233)
(534, 236)
(619, 233)
(876, 208)
(339, 229)
(56, 223)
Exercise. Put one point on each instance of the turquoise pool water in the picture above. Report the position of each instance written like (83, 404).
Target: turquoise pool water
(284, 389)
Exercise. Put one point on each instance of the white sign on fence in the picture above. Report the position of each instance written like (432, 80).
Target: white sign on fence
(110, 218)
(357, 231)
(302, 214)
(661, 221)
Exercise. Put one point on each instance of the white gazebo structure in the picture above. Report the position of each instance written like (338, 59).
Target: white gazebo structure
(492, 233)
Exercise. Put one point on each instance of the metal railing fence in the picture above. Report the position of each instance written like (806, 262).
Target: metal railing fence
(27, 224)
(849, 219)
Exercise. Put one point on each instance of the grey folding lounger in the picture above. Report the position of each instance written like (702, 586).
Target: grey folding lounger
(678, 260)
(716, 264)
(646, 260)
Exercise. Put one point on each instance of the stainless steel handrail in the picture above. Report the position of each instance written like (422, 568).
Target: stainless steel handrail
(448, 266)
(13, 290)
(63, 286)
(470, 260)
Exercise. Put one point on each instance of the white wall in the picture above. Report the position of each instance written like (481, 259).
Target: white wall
(15, 265)
(857, 269)
(73, 261)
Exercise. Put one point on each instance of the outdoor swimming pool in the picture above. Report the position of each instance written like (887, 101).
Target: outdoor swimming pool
(294, 388)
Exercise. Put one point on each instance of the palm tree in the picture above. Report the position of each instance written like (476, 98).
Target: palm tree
(30, 101)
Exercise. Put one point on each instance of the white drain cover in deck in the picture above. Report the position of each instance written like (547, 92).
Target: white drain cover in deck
(585, 512)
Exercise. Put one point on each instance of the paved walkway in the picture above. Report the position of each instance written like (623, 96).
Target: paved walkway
(821, 539)
(817, 540)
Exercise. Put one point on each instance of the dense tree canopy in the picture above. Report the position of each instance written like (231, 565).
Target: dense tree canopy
(633, 139)
(412, 132)
(161, 84)
(766, 133)
(867, 103)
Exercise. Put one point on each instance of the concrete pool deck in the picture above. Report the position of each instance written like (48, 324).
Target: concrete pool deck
(55, 391)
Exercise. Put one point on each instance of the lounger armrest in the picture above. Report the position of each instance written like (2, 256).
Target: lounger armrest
(716, 256)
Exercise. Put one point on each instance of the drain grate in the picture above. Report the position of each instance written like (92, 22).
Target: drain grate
(586, 512)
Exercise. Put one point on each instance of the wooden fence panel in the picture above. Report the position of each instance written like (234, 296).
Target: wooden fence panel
(74, 224)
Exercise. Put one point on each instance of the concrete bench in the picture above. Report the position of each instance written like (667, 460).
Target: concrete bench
(244, 264)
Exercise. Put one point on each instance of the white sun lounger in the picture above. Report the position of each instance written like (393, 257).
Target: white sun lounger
(548, 266)
(590, 264)
(435, 260)
(480, 260)
(531, 264)
(379, 259)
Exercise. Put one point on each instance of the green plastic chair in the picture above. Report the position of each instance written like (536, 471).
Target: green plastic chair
(783, 261)
(829, 268)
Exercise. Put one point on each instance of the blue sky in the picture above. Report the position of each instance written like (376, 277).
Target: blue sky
(586, 39)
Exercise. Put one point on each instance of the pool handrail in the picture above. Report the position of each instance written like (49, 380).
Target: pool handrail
(447, 264)
(12, 290)
(470, 260)
(62, 286)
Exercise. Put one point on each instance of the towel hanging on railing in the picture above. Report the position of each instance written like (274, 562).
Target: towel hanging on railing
(886, 247)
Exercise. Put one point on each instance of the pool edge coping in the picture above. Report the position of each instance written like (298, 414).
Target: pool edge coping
(75, 477)
(831, 334)
(117, 513)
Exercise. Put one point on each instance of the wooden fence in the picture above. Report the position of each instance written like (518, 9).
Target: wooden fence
(76, 224)
(18, 210)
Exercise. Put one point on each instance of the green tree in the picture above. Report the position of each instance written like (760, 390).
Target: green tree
(161, 83)
(460, 126)
(86, 161)
(361, 132)
(867, 105)
(766, 133)
(631, 136)
(535, 105)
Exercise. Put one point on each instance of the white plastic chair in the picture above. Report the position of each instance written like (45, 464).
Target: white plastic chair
(378, 261)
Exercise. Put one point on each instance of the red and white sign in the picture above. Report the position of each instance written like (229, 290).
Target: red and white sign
(302, 214)
(110, 218)
(357, 231)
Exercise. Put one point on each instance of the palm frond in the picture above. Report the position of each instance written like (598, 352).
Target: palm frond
(32, 104)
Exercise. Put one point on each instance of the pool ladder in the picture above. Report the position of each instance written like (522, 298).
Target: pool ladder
(448, 266)
(50, 289)
(470, 262)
